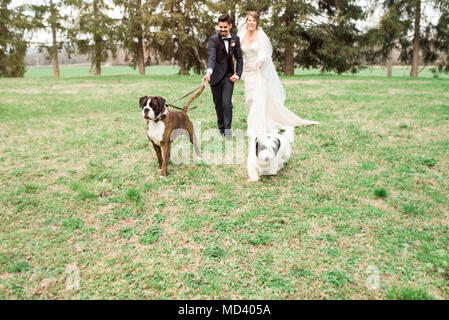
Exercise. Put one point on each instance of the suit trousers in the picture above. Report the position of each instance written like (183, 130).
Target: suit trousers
(222, 94)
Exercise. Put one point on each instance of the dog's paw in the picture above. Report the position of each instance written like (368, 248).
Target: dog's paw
(162, 177)
(253, 179)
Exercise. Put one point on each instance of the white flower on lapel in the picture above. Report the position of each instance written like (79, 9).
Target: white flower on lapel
(233, 43)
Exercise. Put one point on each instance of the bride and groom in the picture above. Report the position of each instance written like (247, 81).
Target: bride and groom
(264, 94)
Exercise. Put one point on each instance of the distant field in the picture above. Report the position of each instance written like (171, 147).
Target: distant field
(360, 212)
(70, 71)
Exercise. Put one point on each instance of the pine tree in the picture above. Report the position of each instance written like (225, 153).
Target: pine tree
(442, 35)
(180, 32)
(94, 32)
(286, 25)
(329, 38)
(313, 33)
(413, 38)
(13, 23)
(50, 18)
(385, 37)
(416, 37)
(227, 6)
(133, 30)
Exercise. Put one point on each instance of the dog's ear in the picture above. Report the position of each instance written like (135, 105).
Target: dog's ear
(142, 101)
(257, 146)
(277, 145)
(161, 101)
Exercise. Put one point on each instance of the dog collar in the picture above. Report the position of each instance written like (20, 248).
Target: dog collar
(161, 116)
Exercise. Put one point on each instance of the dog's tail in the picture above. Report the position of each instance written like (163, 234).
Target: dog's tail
(196, 95)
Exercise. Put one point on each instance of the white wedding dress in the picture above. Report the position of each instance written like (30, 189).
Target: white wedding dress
(264, 94)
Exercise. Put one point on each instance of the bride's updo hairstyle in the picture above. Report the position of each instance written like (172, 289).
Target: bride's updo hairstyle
(254, 15)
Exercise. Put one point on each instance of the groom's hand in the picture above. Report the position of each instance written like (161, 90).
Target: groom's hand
(207, 77)
(234, 78)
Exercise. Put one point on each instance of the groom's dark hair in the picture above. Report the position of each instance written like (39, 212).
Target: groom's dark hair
(225, 17)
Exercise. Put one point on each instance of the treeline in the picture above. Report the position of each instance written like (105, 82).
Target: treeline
(321, 34)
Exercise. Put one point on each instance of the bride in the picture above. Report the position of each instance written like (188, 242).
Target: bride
(264, 94)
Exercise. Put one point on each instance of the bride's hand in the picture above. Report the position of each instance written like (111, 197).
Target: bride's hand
(258, 64)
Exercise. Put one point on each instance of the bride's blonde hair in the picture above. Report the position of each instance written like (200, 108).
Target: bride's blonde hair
(254, 15)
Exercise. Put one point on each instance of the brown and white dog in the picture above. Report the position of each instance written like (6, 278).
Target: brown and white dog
(163, 126)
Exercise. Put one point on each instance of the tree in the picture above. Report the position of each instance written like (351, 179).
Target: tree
(416, 37)
(227, 6)
(442, 34)
(13, 23)
(330, 38)
(384, 38)
(405, 19)
(285, 29)
(132, 30)
(94, 32)
(313, 33)
(50, 17)
(180, 32)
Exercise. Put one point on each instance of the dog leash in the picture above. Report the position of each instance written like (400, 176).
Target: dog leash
(188, 94)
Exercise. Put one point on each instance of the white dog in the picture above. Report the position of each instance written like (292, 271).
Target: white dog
(268, 154)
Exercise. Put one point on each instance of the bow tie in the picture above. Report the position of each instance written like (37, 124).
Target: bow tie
(227, 39)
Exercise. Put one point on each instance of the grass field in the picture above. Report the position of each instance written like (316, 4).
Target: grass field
(82, 71)
(360, 212)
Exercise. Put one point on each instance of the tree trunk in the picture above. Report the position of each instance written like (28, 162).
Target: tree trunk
(234, 21)
(140, 56)
(182, 69)
(97, 57)
(98, 68)
(289, 67)
(55, 42)
(55, 52)
(415, 59)
(98, 43)
(182, 62)
(390, 64)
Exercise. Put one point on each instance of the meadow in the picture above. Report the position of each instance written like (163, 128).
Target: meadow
(360, 212)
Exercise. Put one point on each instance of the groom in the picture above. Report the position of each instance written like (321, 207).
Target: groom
(221, 72)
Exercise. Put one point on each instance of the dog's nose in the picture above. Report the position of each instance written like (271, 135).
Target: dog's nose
(146, 109)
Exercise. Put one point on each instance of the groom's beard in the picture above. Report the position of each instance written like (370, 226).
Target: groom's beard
(224, 33)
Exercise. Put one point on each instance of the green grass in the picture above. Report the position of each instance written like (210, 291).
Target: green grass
(82, 71)
(68, 71)
(408, 294)
(399, 71)
(80, 187)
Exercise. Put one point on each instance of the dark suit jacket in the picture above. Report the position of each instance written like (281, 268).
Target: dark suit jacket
(218, 57)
